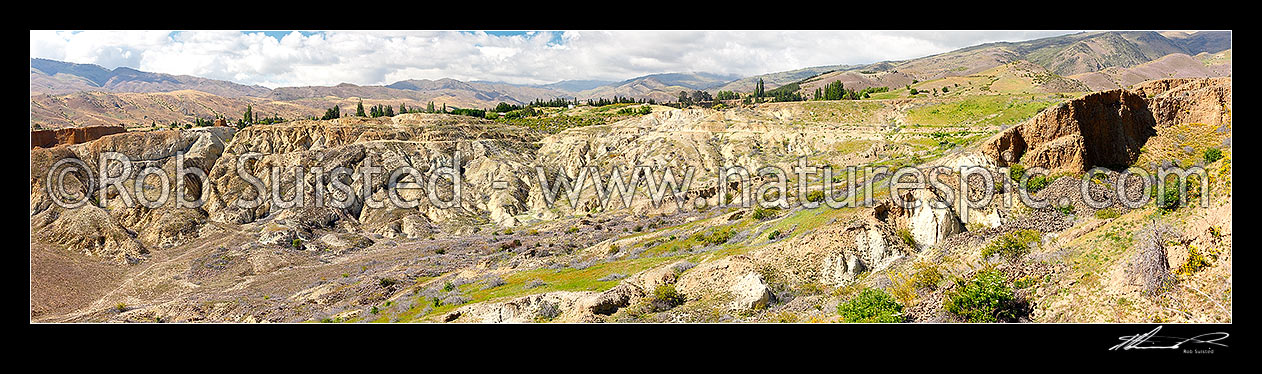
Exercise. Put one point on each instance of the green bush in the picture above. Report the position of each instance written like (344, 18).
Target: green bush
(1213, 154)
(1015, 172)
(815, 196)
(987, 297)
(774, 234)
(716, 236)
(1012, 245)
(1066, 209)
(871, 306)
(1168, 201)
(665, 296)
(761, 213)
(1037, 183)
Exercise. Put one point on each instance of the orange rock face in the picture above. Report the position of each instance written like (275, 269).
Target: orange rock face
(1108, 128)
(1100, 129)
(74, 135)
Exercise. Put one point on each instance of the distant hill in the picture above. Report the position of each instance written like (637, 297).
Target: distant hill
(858, 80)
(68, 94)
(660, 87)
(576, 85)
(1065, 55)
(56, 77)
(773, 80)
(1175, 65)
(449, 91)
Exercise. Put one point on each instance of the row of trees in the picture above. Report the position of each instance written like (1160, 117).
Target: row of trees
(837, 91)
(698, 96)
(619, 100)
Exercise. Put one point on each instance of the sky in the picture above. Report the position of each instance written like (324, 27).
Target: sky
(323, 58)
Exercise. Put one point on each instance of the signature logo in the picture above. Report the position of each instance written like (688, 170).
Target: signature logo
(1151, 340)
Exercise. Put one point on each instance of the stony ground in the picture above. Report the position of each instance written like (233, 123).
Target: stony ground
(517, 262)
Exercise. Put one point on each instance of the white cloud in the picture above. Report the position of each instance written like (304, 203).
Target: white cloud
(383, 57)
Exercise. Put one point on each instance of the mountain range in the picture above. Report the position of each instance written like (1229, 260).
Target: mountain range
(1099, 59)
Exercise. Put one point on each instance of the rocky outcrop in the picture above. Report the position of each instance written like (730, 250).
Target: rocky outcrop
(71, 135)
(1109, 128)
(561, 306)
(735, 276)
(1179, 101)
(116, 230)
(489, 152)
(1099, 129)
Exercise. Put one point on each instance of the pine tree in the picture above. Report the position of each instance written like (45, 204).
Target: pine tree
(359, 111)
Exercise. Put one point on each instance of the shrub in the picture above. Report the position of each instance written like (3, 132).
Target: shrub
(926, 275)
(1015, 172)
(665, 297)
(716, 236)
(903, 288)
(760, 213)
(773, 235)
(1038, 183)
(493, 281)
(296, 243)
(1213, 154)
(1107, 213)
(386, 282)
(1196, 261)
(1012, 245)
(1168, 201)
(1066, 209)
(548, 311)
(986, 297)
(815, 196)
(120, 307)
(871, 306)
(1151, 265)
(456, 300)
(682, 266)
(905, 235)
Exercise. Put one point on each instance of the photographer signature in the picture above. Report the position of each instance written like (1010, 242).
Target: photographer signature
(1151, 340)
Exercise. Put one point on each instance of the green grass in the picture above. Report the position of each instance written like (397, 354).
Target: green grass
(567, 279)
(979, 110)
(842, 111)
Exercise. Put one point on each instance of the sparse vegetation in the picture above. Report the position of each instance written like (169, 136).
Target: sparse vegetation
(1012, 245)
(1107, 213)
